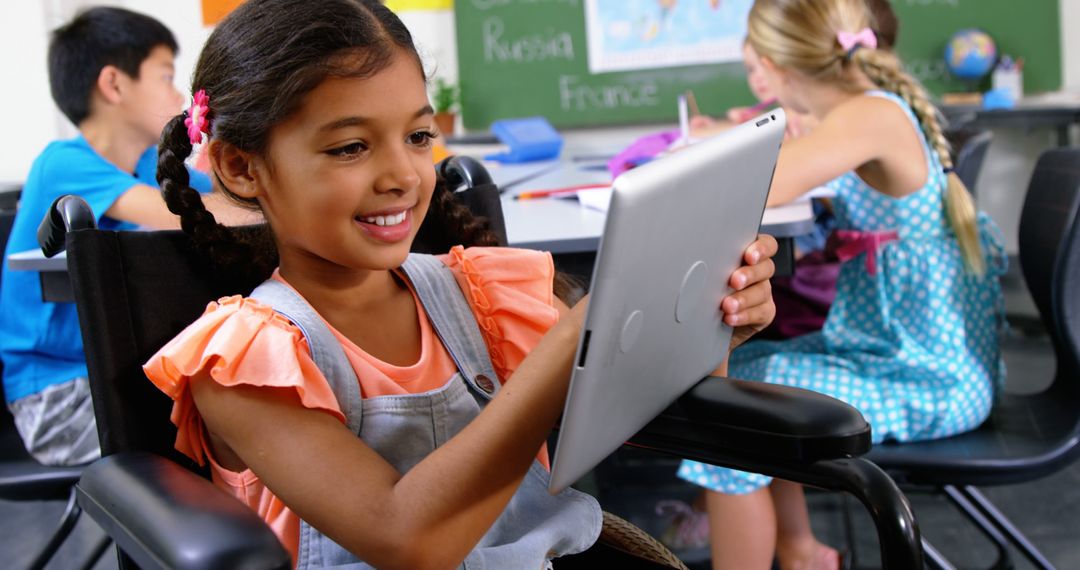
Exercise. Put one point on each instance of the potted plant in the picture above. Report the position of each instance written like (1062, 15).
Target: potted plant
(445, 99)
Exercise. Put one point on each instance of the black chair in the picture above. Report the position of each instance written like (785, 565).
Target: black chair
(971, 151)
(161, 514)
(1027, 436)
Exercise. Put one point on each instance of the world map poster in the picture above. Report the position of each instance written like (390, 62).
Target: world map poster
(625, 35)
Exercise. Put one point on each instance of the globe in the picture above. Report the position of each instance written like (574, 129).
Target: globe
(970, 54)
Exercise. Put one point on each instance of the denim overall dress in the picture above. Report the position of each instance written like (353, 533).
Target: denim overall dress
(535, 526)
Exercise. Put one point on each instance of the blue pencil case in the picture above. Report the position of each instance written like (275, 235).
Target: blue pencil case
(531, 138)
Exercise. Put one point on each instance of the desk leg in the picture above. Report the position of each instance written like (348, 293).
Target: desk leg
(56, 287)
(785, 257)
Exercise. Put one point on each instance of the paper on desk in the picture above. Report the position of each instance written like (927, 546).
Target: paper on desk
(595, 198)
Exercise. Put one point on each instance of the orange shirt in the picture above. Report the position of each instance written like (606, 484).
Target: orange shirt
(509, 291)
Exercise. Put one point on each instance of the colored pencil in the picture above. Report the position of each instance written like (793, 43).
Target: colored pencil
(557, 192)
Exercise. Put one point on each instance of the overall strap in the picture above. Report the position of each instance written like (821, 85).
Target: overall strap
(326, 350)
(453, 320)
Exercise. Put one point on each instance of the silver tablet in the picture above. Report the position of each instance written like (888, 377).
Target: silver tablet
(676, 229)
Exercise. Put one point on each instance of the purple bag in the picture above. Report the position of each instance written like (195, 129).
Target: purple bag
(642, 150)
(803, 300)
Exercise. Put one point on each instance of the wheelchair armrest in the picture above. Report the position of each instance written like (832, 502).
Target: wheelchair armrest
(727, 418)
(164, 516)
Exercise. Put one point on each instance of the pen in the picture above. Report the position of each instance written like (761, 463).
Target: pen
(684, 119)
(557, 192)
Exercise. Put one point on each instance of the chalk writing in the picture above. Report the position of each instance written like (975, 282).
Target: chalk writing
(532, 47)
(577, 96)
(928, 69)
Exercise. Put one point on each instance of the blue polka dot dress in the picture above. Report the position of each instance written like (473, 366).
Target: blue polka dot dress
(913, 346)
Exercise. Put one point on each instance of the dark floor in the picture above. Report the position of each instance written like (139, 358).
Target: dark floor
(1047, 510)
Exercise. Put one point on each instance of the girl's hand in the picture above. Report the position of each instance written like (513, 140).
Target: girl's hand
(702, 122)
(739, 114)
(750, 308)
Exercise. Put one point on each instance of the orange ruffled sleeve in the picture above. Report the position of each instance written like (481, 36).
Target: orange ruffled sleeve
(239, 342)
(510, 291)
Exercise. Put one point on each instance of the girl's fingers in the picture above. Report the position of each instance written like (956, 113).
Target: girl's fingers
(764, 246)
(758, 294)
(758, 315)
(748, 275)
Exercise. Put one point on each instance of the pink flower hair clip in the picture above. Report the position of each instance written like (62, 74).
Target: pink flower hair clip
(198, 117)
(852, 41)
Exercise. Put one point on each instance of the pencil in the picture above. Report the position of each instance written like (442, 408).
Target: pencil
(684, 120)
(557, 192)
(694, 111)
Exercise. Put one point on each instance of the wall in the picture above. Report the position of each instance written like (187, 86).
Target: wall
(31, 119)
(1070, 42)
(30, 122)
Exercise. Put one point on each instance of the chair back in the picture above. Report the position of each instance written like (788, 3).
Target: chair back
(1050, 255)
(969, 158)
(134, 292)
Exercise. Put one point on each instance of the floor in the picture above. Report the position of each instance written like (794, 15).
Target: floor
(1047, 510)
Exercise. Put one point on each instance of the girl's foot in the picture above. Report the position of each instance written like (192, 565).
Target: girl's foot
(808, 555)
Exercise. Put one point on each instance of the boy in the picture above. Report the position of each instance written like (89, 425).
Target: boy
(111, 73)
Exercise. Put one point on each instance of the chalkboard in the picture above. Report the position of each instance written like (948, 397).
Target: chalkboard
(529, 57)
(1029, 29)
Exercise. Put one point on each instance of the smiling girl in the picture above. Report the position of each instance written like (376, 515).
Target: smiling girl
(397, 417)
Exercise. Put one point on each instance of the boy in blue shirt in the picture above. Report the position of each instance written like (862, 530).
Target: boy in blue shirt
(111, 73)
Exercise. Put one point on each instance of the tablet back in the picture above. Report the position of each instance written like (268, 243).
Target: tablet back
(676, 229)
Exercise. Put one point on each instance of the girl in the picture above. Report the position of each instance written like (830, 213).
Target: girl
(886, 27)
(317, 115)
(911, 339)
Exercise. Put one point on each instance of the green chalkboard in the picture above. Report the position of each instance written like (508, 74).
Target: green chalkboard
(529, 57)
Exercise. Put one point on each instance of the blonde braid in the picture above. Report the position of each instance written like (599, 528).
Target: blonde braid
(883, 68)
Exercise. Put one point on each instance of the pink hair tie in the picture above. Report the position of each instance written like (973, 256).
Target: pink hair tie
(198, 117)
(853, 41)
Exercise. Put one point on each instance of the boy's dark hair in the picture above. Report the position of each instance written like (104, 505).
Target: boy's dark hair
(886, 24)
(256, 68)
(97, 37)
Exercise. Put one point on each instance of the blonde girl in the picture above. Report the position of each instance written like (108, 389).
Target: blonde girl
(912, 337)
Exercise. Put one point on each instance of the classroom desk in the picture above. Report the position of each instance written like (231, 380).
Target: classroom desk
(572, 232)
(568, 230)
(55, 285)
(563, 225)
(1058, 111)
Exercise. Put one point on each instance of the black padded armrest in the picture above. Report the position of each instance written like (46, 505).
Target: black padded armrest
(164, 516)
(722, 418)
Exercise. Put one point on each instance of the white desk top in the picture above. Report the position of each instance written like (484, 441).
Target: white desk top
(34, 260)
(564, 225)
(555, 225)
